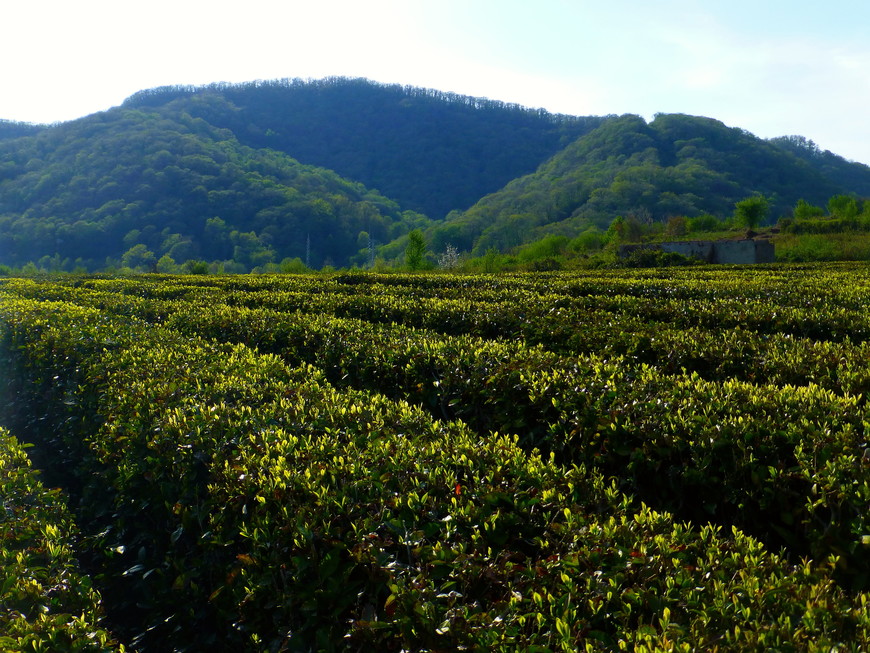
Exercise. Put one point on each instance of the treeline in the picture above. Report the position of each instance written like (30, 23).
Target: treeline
(851, 175)
(14, 129)
(163, 94)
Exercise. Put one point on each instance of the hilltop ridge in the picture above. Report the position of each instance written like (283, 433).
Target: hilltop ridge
(330, 171)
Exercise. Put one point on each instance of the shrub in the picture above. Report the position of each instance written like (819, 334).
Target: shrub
(650, 257)
(46, 603)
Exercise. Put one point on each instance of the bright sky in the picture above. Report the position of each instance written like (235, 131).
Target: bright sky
(772, 67)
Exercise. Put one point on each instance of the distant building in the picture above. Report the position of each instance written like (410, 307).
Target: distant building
(745, 251)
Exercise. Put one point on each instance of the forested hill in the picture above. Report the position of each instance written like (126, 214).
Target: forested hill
(431, 151)
(848, 174)
(129, 186)
(676, 165)
(326, 171)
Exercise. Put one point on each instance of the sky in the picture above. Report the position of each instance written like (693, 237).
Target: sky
(771, 67)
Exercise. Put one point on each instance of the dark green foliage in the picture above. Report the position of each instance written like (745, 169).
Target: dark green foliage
(655, 258)
(676, 165)
(431, 151)
(46, 603)
(238, 502)
(170, 184)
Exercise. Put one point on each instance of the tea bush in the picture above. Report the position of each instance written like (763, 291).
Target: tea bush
(261, 465)
(46, 603)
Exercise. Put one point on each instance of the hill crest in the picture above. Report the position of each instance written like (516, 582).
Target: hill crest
(327, 171)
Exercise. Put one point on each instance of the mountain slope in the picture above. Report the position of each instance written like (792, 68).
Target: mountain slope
(228, 173)
(163, 182)
(674, 165)
(433, 152)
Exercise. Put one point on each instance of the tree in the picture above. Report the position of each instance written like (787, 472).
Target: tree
(752, 211)
(803, 210)
(415, 251)
(167, 265)
(449, 260)
(293, 266)
(196, 267)
(250, 250)
(139, 258)
(843, 206)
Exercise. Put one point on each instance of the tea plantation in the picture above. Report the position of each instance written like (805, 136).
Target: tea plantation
(648, 460)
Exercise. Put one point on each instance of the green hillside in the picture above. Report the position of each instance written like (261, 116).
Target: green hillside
(129, 186)
(331, 172)
(676, 165)
(431, 151)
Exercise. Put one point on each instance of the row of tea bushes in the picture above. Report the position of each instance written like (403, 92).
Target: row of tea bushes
(713, 353)
(815, 308)
(242, 504)
(47, 604)
(548, 319)
(787, 464)
(843, 285)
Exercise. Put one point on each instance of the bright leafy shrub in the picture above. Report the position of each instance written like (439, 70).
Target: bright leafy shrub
(46, 603)
(254, 476)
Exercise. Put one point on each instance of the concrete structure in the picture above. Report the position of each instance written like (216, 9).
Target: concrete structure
(714, 251)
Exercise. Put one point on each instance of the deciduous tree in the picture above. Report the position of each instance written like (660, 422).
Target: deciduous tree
(752, 211)
(415, 251)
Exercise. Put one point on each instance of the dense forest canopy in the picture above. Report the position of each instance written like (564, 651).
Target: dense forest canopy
(135, 185)
(429, 150)
(13, 129)
(676, 165)
(330, 172)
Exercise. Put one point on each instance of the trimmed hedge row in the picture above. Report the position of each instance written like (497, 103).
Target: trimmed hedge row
(243, 504)
(841, 284)
(46, 603)
(786, 464)
(713, 353)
